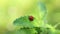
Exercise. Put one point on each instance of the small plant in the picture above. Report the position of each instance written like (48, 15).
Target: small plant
(30, 25)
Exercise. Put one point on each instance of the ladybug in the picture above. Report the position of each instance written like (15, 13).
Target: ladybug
(31, 18)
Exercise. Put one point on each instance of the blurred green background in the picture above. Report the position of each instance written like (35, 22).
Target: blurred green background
(12, 9)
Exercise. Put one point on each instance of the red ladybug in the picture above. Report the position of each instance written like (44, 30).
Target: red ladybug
(31, 18)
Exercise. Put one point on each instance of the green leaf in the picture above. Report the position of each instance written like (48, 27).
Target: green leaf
(25, 22)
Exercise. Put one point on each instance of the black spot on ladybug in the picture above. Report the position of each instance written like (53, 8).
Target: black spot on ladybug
(31, 18)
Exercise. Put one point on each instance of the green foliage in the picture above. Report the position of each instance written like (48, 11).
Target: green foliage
(31, 27)
(25, 22)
